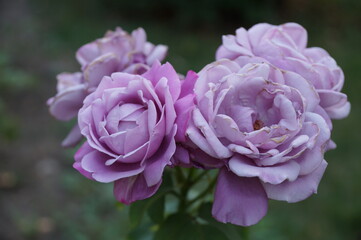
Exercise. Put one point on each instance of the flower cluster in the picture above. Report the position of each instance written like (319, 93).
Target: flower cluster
(260, 114)
(117, 51)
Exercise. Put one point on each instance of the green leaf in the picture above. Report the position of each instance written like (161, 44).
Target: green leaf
(205, 212)
(142, 232)
(154, 205)
(230, 231)
(179, 227)
(212, 233)
(156, 210)
(167, 183)
(137, 211)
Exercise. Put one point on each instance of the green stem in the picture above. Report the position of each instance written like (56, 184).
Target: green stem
(244, 233)
(199, 177)
(174, 193)
(204, 193)
(184, 191)
(180, 175)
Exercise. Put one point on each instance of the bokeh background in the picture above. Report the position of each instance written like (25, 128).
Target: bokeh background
(42, 197)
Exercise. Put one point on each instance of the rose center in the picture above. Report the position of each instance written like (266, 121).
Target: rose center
(258, 124)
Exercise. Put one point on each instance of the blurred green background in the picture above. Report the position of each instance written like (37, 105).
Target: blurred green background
(42, 197)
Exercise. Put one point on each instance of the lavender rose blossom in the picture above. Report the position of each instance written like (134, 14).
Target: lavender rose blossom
(285, 47)
(131, 124)
(262, 124)
(117, 51)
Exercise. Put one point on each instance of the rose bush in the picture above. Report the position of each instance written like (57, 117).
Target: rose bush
(260, 115)
(264, 125)
(117, 51)
(285, 46)
(131, 124)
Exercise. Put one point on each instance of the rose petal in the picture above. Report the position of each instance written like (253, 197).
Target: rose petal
(237, 200)
(202, 125)
(66, 105)
(306, 89)
(155, 165)
(229, 41)
(158, 53)
(73, 138)
(94, 162)
(166, 70)
(183, 108)
(68, 80)
(87, 53)
(198, 139)
(102, 66)
(181, 157)
(276, 174)
(140, 38)
(131, 189)
(299, 189)
(334, 103)
(188, 84)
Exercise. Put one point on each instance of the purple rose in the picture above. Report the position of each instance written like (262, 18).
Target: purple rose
(116, 52)
(131, 124)
(263, 125)
(285, 47)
